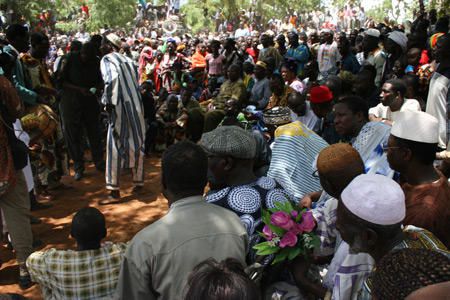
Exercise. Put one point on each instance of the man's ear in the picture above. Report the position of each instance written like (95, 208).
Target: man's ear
(371, 237)
(228, 163)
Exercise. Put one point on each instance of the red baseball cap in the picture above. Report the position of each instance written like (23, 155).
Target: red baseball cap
(320, 94)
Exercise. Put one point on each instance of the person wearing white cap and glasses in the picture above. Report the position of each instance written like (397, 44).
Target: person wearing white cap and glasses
(373, 54)
(392, 102)
(411, 151)
(126, 128)
(369, 218)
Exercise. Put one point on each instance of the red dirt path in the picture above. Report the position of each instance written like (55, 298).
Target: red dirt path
(123, 220)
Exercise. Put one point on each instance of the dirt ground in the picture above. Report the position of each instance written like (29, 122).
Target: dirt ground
(123, 220)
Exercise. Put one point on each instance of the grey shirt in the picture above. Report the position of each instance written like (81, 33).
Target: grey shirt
(261, 93)
(161, 256)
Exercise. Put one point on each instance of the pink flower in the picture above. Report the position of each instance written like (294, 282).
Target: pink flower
(282, 220)
(288, 240)
(294, 213)
(297, 229)
(308, 223)
(267, 233)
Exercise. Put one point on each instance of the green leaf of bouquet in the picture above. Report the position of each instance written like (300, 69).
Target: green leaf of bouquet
(278, 231)
(299, 217)
(268, 251)
(294, 252)
(280, 257)
(315, 241)
(266, 216)
(262, 245)
(289, 206)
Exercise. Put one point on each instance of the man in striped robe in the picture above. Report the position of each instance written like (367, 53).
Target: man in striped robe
(126, 129)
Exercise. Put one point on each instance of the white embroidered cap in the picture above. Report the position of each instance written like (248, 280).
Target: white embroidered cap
(376, 199)
(416, 126)
(373, 32)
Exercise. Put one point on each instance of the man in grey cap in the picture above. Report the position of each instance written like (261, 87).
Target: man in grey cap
(231, 152)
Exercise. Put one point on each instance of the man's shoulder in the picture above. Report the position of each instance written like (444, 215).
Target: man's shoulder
(294, 129)
(411, 104)
(54, 254)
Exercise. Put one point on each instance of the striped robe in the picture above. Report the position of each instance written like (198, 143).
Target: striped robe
(126, 129)
(293, 158)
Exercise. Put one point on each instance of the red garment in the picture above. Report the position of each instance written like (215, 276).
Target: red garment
(253, 53)
(428, 207)
(85, 9)
(424, 59)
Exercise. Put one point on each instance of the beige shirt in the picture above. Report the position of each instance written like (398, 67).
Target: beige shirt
(161, 256)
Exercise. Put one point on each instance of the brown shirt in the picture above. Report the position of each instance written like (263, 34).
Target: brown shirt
(428, 207)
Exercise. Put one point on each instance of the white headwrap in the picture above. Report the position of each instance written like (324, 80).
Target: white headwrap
(399, 38)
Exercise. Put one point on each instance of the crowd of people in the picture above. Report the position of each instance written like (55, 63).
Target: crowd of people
(351, 123)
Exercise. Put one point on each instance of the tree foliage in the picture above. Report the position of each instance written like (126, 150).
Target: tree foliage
(200, 13)
(109, 12)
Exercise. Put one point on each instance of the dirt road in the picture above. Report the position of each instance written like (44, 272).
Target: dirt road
(123, 220)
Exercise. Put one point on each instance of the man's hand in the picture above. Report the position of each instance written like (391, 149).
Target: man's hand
(308, 199)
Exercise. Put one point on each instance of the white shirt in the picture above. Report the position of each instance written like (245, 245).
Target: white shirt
(384, 112)
(309, 119)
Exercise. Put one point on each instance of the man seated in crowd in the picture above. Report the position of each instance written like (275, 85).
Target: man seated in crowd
(392, 102)
(370, 220)
(280, 92)
(337, 166)
(261, 92)
(294, 150)
(301, 111)
(322, 100)
(411, 151)
(234, 185)
(89, 272)
(161, 256)
(232, 88)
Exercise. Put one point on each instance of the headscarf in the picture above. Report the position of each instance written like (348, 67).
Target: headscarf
(399, 38)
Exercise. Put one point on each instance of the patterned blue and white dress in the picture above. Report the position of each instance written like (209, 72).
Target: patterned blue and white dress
(247, 201)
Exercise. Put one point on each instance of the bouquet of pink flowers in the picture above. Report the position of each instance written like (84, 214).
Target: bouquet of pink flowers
(288, 232)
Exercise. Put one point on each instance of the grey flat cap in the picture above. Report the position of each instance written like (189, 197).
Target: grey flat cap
(230, 141)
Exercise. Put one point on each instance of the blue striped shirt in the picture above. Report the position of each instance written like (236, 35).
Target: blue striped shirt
(295, 150)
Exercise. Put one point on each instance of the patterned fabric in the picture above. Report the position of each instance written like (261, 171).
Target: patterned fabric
(68, 274)
(10, 107)
(246, 201)
(126, 128)
(293, 155)
(416, 238)
(282, 100)
(369, 143)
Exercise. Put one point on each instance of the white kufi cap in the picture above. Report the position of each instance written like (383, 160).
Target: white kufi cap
(373, 32)
(399, 38)
(417, 126)
(376, 199)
